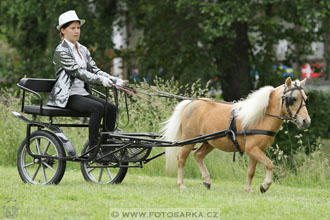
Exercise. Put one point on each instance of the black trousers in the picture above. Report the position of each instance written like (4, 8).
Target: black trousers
(96, 107)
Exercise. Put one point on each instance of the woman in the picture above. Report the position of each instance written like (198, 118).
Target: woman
(75, 69)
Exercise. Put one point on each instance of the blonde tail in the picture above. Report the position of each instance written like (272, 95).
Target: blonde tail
(172, 132)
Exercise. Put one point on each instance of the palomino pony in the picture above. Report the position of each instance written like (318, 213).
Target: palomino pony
(264, 109)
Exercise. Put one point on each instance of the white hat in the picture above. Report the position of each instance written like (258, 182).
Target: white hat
(67, 17)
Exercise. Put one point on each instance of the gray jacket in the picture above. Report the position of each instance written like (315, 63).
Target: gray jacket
(67, 69)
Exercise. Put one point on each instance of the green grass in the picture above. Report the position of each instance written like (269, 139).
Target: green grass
(301, 189)
(74, 198)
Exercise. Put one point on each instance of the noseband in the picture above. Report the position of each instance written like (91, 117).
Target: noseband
(289, 101)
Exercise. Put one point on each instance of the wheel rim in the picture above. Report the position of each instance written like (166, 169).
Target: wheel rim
(100, 173)
(43, 170)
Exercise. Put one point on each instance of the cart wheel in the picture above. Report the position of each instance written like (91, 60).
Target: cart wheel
(41, 171)
(102, 173)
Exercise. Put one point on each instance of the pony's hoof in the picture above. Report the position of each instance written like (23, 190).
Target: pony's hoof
(182, 187)
(249, 190)
(262, 189)
(207, 185)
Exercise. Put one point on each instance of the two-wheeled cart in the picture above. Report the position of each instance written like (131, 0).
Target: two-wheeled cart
(43, 154)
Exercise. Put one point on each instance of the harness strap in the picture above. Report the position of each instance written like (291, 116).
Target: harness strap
(279, 117)
(232, 135)
(264, 132)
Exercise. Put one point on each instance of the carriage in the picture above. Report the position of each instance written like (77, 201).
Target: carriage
(43, 154)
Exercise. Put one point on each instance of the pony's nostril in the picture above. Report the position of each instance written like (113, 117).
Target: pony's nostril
(305, 123)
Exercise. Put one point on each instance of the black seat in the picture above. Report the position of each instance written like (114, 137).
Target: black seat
(35, 86)
(52, 111)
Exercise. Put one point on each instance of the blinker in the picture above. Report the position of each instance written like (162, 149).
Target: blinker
(290, 100)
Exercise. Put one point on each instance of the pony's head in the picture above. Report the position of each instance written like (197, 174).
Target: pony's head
(294, 102)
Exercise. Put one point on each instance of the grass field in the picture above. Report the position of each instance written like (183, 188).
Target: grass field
(301, 189)
(74, 198)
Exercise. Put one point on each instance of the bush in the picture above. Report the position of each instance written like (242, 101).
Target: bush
(302, 169)
(319, 112)
(12, 130)
(147, 116)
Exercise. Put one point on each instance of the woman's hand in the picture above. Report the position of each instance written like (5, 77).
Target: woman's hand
(120, 82)
(106, 82)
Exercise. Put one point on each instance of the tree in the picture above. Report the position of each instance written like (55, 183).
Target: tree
(187, 39)
(193, 39)
(29, 28)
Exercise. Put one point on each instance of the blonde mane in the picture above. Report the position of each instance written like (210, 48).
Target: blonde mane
(251, 110)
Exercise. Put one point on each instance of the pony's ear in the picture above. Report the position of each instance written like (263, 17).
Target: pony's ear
(288, 82)
(302, 83)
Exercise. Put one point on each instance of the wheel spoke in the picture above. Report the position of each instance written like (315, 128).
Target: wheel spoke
(38, 146)
(109, 173)
(27, 165)
(43, 173)
(47, 147)
(47, 165)
(91, 170)
(36, 172)
(101, 173)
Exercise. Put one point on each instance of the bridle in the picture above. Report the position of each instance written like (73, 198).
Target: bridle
(289, 100)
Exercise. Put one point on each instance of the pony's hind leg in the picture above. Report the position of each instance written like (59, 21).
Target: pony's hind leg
(182, 157)
(257, 154)
(199, 155)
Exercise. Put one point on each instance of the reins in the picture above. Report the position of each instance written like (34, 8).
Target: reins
(231, 132)
(133, 91)
(279, 117)
(127, 90)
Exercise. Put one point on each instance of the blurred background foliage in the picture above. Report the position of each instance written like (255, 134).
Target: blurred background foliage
(29, 36)
(225, 40)
(290, 139)
(220, 41)
(183, 40)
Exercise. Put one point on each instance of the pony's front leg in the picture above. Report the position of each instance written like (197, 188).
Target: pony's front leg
(182, 157)
(251, 170)
(260, 156)
(199, 155)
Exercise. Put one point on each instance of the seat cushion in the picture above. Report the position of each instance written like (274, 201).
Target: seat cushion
(53, 111)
